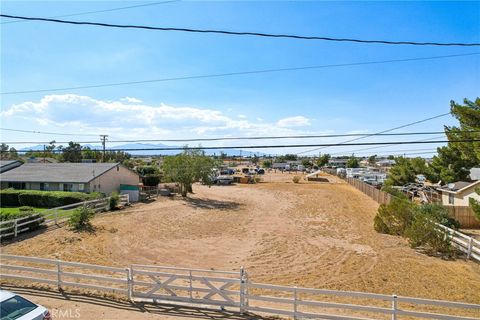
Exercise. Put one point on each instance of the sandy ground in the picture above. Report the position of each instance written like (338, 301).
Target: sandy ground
(309, 234)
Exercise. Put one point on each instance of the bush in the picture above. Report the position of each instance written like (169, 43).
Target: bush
(425, 233)
(114, 199)
(296, 179)
(257, 179)
(43, 199)
(394, 218)
(9, 198)
(80, 219)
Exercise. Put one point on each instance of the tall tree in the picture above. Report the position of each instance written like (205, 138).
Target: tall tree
(401, 173)
(454, 161)
(72, 153)
(323, 160)
(189, 167)
(352, 162)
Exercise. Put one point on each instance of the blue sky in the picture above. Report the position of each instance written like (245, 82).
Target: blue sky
(369, 98)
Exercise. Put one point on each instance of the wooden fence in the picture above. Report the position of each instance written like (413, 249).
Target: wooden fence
(379, 196)
(54, 216)
(464, 215)
(226, 289)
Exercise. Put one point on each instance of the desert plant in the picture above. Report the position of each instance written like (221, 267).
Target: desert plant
(296, 179)
(114, 199)
(425, 233)
(394, 218)
(80, 219)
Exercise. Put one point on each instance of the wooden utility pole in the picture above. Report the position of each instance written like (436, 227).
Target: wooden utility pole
(103, 138)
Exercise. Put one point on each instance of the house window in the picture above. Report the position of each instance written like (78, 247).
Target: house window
(67, 187)
(81, 187)
(451, 198)
(17, 185)
(42, 186)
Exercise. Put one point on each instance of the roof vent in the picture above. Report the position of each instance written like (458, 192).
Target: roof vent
(451, 185)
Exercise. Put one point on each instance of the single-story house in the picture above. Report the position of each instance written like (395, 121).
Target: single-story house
(458, 193)
(6, 165)
(81, 177)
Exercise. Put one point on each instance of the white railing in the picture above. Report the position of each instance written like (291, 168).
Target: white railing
(227, 289)
(14, 227)
(464, 243)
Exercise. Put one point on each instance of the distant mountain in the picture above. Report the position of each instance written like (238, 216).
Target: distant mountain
(133, 146)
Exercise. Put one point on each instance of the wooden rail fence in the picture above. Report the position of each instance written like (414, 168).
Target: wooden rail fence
(200, 287)
(54, 216)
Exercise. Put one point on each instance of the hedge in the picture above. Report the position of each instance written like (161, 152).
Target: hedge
(43, 199)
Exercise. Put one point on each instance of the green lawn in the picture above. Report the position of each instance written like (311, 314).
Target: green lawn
(9, 211)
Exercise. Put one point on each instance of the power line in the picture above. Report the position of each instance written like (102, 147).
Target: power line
(384, 131)
(278, 146)
(240, 33)
(377, 147)
(100, 11)
(52, 133)
(255, 137)
(112, 84)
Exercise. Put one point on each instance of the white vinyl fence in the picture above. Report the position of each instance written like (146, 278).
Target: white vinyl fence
(200, 287)
(464, 243)
(12, 228)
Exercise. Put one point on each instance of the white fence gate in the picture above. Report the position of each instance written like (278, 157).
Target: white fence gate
(198, 286)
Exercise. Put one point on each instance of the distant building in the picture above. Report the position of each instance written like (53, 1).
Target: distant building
(385, 163)
(341, 163)
(6, 165)
(459, 193)
(81, 177)
(41, 160)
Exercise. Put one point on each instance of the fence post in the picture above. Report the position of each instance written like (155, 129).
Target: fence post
(242, 290)
(129, 283)
(59, 275)
(394, 307)
(190, 284)
(15, 228)
(469, 250)
(55, 211)
(295, 302)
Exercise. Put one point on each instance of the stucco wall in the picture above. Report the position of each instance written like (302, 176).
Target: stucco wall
(111, 180)
(462, 198)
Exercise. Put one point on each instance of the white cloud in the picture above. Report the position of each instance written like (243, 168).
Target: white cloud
(131, 100)
(297, 121)
(130, 117)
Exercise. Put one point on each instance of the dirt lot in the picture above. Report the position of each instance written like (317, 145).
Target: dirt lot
(309, 234)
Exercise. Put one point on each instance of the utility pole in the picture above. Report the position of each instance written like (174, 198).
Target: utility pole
(103, 138)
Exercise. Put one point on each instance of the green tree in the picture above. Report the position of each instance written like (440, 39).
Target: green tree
(352, 162)
(454, 161)
(401, 173)
(323, 160)
(372, 160)
(307, 163)
(8, 153)
(72, 153)
(151, 175)
(267, 164)
(290, 157)
(188, 167)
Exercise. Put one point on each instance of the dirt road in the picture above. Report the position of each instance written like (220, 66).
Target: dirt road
(307, 234)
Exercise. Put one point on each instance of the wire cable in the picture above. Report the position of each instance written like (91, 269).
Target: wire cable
(113, 84)
(43, 132)
(250, 138)
(277, 146)
(384, 131)
(240, 33)
(100, 11)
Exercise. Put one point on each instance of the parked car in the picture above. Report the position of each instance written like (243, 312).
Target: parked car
(15, 307)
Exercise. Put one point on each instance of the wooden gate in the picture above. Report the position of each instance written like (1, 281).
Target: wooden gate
(190, 286)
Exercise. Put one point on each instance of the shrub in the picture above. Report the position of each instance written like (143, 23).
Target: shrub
(296, 179)
(257, 179)
(394, 218)
(80, 219)
(50, 199)
(425, 233)
(114, 199)
(9, 198)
